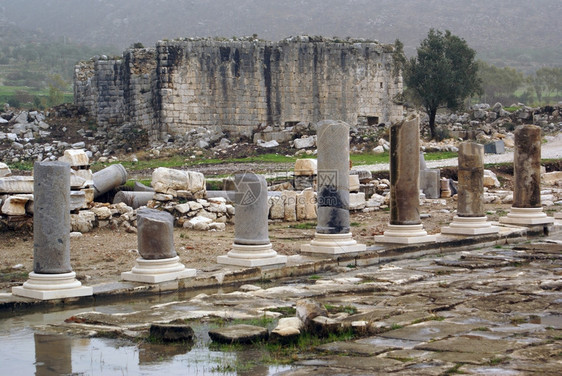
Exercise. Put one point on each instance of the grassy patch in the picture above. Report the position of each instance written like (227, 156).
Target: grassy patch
(131, 183)
(454, 370)
(285, 311)
(396, 326)
(337, 309)
(21, 166)
(315, 277)
(9, 275)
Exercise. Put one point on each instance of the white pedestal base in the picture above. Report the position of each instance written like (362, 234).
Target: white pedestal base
(405, 234)
(526, 217)
(52, 286)
(252, 255)
(333, 244)
(470, 226)
(156, 271)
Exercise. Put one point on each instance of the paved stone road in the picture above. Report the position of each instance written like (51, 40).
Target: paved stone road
(490, 311)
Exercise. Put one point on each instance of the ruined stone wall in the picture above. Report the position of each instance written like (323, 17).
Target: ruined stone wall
(239, 86)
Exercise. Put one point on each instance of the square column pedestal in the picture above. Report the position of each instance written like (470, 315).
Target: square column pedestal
(333, 244)
(405, 234)
(470, 226)
(526, 217)
(252, 256)
(52, 286)
(159, 270)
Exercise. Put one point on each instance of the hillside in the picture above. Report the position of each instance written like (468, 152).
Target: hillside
(518, 33)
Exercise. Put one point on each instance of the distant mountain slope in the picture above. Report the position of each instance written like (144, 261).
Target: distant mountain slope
(521, 33)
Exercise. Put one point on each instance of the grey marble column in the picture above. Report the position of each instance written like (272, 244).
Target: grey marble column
(110, 177)
(405, 223)
(333, 235)
(333, 177)
(404, 173)
(250, 221)
(526, 209)
(155, 234)
(527, 167)
(471, 178)
(51, 218)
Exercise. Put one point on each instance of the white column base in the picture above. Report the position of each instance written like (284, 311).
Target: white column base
(333, 244)
(526, 217)
(252, 255)
(52, 286)
(156, 271)
(470, 226)
(558, 215)
(405, 234)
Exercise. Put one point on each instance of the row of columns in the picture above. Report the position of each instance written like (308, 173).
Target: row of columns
(53, 278)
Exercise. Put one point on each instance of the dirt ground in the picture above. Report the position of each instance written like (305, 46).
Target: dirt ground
(103, 254)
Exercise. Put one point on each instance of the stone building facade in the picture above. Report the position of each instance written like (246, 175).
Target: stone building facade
(241, 86)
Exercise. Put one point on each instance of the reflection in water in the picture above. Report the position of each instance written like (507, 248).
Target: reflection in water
(158, 353)
(52, 354)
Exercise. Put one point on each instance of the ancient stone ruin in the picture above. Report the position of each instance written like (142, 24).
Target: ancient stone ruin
(240, 86)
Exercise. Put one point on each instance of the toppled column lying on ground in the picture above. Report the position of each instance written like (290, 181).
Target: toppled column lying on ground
(405, 224)
(333, 235)
(109, 178)
(159, 261)
(52, 276)
(526, 208)
(251, 235)
(470, 218)
(133, 199)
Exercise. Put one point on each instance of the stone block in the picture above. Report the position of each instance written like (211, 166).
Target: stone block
(289, 199)
(430, 183)
(490, 179)
(16, 184)
(15, 205)
(306, 167)
(305, 142)
(495, 147)
(354, 183)
(277, 207)
(75, 158)
(357, 201)
(4, 170)
(552, 178)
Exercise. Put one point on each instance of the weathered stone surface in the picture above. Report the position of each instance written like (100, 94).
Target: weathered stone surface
(496, 147)
(155, 234)
(109, 178)
(430, 183)
(75, 158)
(404, 172)
(16, 205)
(289, 199)
(305, 142)
(353, 183)
(490, 179)
(333, 177)
(101, 212)
(308, 309)
(83, 221)
(16, 184)
(287, 329)
(51, 219)
(357, 201)
(170, 181)
(77, 200)
(527, 167)
(471, 176)
(554, 178)
(277, 209)
(309, 203)
(306, 167)
(239, 334)
(250, 222)
(4, 170)
(133, 199)
(171, 332)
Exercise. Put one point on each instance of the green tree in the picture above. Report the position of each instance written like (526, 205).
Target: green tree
(499, 84)
(56, 90)
(443, 74)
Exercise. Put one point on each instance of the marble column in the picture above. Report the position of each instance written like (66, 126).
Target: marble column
(526, 208)
(110, 177)
(159, 261)
(405, 224)
(470, 218)
(134, 199)
(52, 276)
(333, 234)
(251, 235)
